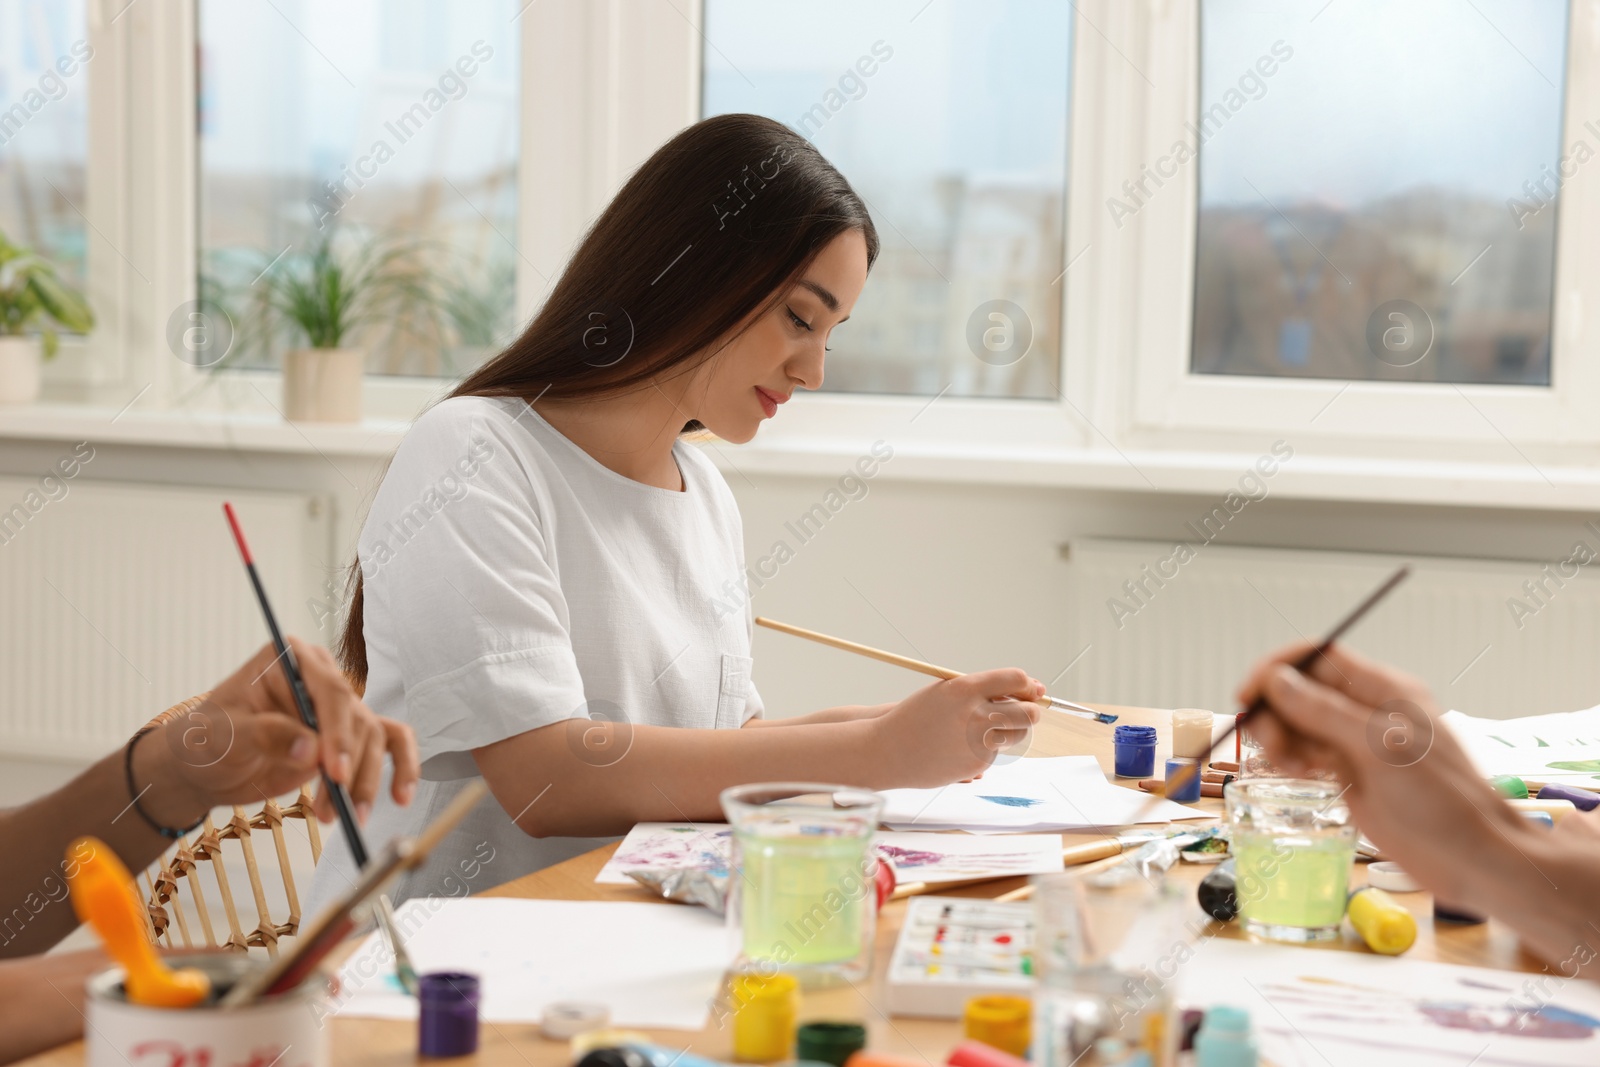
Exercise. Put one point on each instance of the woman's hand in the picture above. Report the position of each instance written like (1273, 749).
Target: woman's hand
(245, 742)
(1412, 789)
(952, 730)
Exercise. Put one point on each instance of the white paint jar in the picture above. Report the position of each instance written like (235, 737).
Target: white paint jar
(1191, 733)
(286, 1031)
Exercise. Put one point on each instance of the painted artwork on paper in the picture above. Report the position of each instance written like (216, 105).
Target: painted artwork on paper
(915, 855)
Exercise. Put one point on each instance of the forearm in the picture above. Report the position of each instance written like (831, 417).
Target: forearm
(35, 839)
(843, 713)
(43, 1001)
(1545, 885)
(665, 774)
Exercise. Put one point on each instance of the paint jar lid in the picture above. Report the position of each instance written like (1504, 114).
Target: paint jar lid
(1449, 914)
(1224, 1020)
(569, 1018)
(751, 988)
(593, 1040)
(1389, 876)
(829, 1042)
(1509, 785)
(1000, 1021)
(1134, 735)
(449, 987)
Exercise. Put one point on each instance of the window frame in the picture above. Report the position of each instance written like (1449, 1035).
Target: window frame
(602, 87)
(1170, 403)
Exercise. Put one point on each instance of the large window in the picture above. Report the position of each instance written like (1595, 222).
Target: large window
(44, 70)
(383, 132)
(1378, 188)
(951, 121)
(1119, 239)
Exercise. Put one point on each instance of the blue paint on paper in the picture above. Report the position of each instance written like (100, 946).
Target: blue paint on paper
(1012, 802)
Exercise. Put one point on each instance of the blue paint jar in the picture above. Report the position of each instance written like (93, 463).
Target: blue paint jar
(448, 1023)
(1133, 751)
(1191, 789)
(1225, 1039)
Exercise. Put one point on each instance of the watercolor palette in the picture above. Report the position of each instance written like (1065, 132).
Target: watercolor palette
(951, 949)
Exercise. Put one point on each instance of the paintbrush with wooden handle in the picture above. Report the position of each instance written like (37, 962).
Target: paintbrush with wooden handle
(919, 666)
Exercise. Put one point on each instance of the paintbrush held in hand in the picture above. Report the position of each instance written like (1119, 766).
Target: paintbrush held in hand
(1187, 772)
(919, 666)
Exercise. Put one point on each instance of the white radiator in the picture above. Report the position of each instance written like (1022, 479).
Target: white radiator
(1186, 632)
(119, 600)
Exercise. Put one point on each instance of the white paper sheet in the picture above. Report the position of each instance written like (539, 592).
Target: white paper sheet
(1024, 795)
(1355, 1009)
(1534, 746)
(654, 965)
(916, 856)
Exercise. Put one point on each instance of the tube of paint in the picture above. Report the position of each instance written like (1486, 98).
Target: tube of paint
(1582, 799)
(1383, 924)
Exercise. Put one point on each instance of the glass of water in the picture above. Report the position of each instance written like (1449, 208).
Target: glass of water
(1293, 843)
(803, 894)
(1108, 948)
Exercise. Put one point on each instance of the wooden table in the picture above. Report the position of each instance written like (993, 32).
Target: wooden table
(374, 1042)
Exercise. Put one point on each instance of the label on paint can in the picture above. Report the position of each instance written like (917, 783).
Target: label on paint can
(119, 1033)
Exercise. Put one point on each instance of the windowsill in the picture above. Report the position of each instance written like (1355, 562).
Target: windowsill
(1190, 472)
(1305, 476)
(203, 430)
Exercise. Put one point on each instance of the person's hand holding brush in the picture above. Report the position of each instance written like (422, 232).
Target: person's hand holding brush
(245, 741)
(1417, 796)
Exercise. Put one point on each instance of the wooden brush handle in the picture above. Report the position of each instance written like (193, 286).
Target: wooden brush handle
(861, 650)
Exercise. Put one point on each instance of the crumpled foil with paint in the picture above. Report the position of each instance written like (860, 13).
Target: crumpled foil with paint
(690, 885)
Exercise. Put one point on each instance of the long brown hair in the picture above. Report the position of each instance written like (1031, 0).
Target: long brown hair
(708, 233)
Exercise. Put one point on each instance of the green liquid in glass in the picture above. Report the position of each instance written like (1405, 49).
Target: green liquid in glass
(805, 892)
(1292, 881)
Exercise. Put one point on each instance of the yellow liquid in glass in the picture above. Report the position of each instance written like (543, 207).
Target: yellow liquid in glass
(805, 892)
(1292, 881)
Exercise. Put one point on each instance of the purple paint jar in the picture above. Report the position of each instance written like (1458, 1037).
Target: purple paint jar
(448, 1025)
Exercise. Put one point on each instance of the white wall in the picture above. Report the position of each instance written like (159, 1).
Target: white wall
(961, 574)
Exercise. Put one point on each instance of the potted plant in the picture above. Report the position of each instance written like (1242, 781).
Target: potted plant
(32, 297)
(479, 310)
(328, 299)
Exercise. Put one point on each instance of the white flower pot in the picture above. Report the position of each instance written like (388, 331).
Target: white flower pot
(322, 384)
(20, 362)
